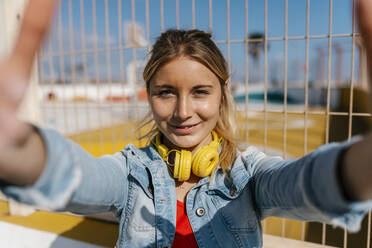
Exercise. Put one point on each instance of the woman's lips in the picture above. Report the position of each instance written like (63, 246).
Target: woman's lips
(185, 129)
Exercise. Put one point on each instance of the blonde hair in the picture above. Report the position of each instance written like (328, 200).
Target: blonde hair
(197, 45)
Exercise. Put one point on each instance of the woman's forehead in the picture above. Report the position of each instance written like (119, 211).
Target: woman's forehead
(185, 70)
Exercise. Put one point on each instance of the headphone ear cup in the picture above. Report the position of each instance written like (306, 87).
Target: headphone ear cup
(182, 165)
(205, 159)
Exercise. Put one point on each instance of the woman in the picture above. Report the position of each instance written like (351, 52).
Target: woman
(227, 193)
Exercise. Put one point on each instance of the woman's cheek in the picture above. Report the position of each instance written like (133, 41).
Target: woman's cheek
(208, 109)
(161, 109)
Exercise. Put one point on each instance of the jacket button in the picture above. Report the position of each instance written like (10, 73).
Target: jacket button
(200, 212)
(232, 191)
(150, 190)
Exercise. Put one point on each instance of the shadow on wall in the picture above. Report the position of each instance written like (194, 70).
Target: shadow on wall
(339, 125)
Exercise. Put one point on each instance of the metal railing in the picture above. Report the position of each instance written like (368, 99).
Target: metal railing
(65, 87)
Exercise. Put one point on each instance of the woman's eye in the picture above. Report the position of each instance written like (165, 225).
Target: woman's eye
(165, 93)
(202, 92)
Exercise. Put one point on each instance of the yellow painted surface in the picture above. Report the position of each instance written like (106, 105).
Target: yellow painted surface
(275, 124)
(109, 140)
(292, 228)
(69, 226)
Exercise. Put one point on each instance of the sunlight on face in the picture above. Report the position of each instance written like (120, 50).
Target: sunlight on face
(185, 98)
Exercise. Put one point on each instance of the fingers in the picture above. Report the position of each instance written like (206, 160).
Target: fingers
(12, 85)
(12, 131)
(364, 18)
(12, 89)
(37, 18)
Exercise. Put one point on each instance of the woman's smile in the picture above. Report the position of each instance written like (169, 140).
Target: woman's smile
(184, 129)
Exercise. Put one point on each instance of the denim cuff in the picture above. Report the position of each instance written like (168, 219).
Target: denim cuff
(59, 179)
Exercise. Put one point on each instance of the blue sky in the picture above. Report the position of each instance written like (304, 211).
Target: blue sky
(319, 21)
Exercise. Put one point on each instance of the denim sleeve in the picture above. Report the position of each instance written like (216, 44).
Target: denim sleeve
(75, 181)
(307, 188)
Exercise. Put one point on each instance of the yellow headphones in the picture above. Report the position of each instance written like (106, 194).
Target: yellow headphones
(202, 163)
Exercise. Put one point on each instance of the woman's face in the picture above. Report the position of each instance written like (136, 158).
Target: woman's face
(185, 98)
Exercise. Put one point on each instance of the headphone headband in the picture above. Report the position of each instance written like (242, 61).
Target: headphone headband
(202, 163)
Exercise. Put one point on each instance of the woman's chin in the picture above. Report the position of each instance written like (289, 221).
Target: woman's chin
(184, 142)
(188, 142)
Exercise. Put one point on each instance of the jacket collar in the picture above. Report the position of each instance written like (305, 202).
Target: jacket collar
(230, 184)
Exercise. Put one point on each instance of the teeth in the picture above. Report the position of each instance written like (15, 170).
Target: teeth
(184, 127)
(187, 126)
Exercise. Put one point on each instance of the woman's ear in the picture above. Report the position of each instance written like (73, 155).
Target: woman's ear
(226, 85)
(225, 88)
(148, 91)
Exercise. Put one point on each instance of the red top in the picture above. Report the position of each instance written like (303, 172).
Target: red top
(184, 236)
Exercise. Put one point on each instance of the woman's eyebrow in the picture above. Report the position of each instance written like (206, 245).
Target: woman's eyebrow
(168, 86)
(163, 86)
(202, 86)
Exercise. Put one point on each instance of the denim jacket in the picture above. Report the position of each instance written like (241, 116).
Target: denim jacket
(224, 211)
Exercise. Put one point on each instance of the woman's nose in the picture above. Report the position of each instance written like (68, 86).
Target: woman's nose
(184, 108)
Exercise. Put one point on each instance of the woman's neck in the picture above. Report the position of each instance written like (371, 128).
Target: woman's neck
(192, 149)
(184, 187)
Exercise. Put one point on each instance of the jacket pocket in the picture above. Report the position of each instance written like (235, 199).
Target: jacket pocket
(140, 212)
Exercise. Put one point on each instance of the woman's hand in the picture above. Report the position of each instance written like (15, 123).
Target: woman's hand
(12, 89)
(364, 19)
(356, 171)
(21, 149)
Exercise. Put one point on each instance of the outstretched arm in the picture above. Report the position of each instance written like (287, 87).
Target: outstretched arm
(308, 188)
(17, 139)
(53, 171)
(356, 171)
